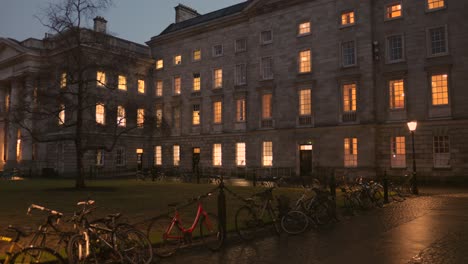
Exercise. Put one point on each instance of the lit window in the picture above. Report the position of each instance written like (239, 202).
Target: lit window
(218, 78)
(19, 146)
(435, 4)
(267, 68)
(304, 28)
(267, 154)
(196, 82)
(241, 74)
(349, 97)
(441, 152)
(438, 41)
(177, 59)
(240, 110)
(176, 155)
(439, 85)
(348, 51)
(266, 106)
(159, 88)
(395, 48)
(196, 115)
(158, 155)
(159, 64)
(140, 117)
(120, 157)
(217, 112)
(101, 78)
(217, 50)
(393, 11)
(141, 86)
(159, 115)
(177, 85)
(398, 152)
(305, 102)
(397, 94)
(197, 55)
(241, 45)
(217, 155)
(100, 157)
(100, 114)
(347, 18)
(350, 152)
(63, 80)
(61, 115)
(305, 64)
(240, 154)
(122, 83)
(266, 37)
(121, 116)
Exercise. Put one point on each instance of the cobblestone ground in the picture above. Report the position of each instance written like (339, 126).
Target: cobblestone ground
(432, 228)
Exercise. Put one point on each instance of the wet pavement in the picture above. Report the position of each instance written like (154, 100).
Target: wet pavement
(432, 228)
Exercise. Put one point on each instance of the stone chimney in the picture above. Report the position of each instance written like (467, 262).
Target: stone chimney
(100, 24)
(184, 12)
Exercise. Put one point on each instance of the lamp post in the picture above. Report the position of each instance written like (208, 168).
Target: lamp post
(414, 183)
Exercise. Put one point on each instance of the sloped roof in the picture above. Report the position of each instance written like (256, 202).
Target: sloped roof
(205, 18)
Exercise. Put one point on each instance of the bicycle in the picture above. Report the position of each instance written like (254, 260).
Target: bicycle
(320, 207)
(253, 216)
(167, 233)
(106, 241)
(21, 254)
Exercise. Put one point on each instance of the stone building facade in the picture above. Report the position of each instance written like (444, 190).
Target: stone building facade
(319, 84)
(291, 86)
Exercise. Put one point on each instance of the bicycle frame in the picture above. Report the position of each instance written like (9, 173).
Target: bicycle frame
(176, 222)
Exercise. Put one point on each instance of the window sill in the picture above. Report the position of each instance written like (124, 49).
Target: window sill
(389, 62)
(299, 74)
(346, 25)
(217, 56)
(303, 35)
(430, 56)
(386, 19)
(429, 11)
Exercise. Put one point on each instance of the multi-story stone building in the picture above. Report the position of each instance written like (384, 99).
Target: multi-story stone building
(306, 84)
(293, 86)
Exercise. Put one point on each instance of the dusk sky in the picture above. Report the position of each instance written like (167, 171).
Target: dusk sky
(135, 20)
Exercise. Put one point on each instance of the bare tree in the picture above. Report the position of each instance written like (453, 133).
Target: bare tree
(65, 111)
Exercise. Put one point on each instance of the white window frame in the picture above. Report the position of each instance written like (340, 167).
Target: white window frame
(141, 86)
(215, 50)
(350, 158)
(266, 42)
(216, 84)
(441, 159)
(176, 155)
(101, 119)
(350, 23)
(159, 64)
(267, 154)
(397, 155)
(299, 34)
(437, 8)
(300, 62)
(263, 72)
(158, 155)
(237, 48)
(217, 155)
(194, 59)
(122, 156)
(121, 119)
(389, 50)
(241, 154)
(386, 13)
(177, 60)
(342, 45)
(429, 42)
(241, 74)
(159, 92)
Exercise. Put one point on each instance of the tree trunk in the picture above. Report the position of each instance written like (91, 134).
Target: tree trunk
(80, 177)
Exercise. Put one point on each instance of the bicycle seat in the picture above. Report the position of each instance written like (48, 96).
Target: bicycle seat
(22, 233)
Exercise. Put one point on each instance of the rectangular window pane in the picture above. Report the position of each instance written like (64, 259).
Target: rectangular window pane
(267, 68)
(63, 80)
(397, 94)
(438, 41)
(218, 78)
(101, 78)
(121, 117)
(100, 114)
(61, 115)
(158, 155)
(217, 112)
(304, 28)
(197, 55)
(347, 18)
(241, 74)
(305, 102)
(159, 88)
(217, 50)
(176, 155)
(266, 106)
(240, 110)
(441, 151)
(177, 85)
(196, 82)
(348, 52)
(140, 117)
(435, 4)
(439, 85)
(159, 116)
(177, 59)
(122, 83)
(350, 152)
(159, 64)
(120, 157)
(217, 155)
(241, 45)
(305, 61)
(240, 154)
(141, 86)
(395, 48)
(267, 154)
(349, 97)
(393, 11)
(398, 152)
(196, 115)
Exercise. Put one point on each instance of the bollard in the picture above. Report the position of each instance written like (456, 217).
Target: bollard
(385, 187)
(222, 207)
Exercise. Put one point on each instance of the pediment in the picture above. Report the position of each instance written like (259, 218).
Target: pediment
(10, 49)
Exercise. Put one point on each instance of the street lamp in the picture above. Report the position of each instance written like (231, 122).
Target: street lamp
(414, 184)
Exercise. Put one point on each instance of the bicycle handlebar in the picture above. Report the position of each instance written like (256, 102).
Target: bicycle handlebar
(88, 202)
(42, 208)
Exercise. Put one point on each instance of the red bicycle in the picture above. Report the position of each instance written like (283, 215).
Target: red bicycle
(167, 234)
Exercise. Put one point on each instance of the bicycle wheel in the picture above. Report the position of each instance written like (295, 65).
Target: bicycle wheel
(164, 243)
(320, 213)
(294, 222)
(246, 223)
(37, 255)
(78, 251)
(135, 246)
(211, 232)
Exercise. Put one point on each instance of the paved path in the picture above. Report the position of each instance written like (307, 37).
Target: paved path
(431, 229)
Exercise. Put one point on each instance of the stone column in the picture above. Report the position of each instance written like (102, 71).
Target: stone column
(26, 139)
(12, 133)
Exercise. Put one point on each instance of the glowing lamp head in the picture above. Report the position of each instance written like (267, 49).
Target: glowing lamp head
(412, 126)
(139, 151)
